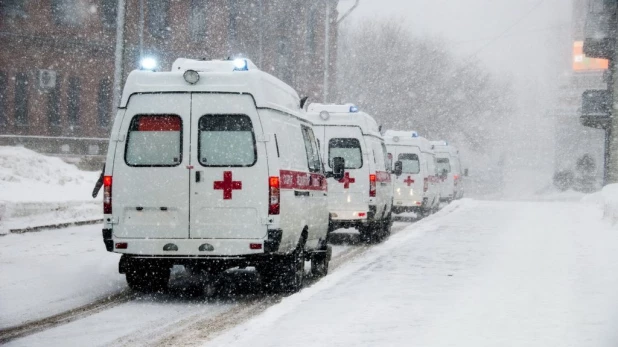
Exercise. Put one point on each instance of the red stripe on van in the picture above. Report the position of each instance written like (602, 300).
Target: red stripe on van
(159, 123)
(383, 176)
(302, 180)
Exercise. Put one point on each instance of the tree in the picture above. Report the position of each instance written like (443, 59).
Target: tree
(417, 83)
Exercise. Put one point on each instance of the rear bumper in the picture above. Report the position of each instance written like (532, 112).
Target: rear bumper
(182, 248)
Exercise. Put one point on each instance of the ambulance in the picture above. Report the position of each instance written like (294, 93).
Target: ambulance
(416, 185)
(212, 165)
(363, 197)
(449, 168)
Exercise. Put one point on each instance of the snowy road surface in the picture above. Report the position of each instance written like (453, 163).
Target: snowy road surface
(476, 274)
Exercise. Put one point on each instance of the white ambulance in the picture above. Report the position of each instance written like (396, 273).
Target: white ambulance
(416, 186)
(363, 198)
(449, 167)
(212, 165)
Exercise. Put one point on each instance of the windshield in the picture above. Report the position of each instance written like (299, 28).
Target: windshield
(410, 163)
(347, 148)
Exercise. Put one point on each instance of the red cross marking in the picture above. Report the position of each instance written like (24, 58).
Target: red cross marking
(408, 180)
(227, 185)
(346, 180)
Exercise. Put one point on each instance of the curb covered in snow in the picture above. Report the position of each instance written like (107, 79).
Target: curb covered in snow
(55, 226)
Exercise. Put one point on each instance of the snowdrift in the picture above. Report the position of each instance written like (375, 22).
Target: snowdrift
(39, 190)
(607, 199)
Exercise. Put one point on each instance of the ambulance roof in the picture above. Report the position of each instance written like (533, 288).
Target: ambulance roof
(407, 138)
(444, 147)
(221, 76)
(342, 115)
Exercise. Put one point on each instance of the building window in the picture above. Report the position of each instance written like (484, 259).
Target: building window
(21, 99)
(312, 26)
(233, 24)
(158, 11)
(109, 10)
(53, 105)
(3, 87)
(69, 12)
(73, 101)
(197, 20)
(13, 8)
(104, 102)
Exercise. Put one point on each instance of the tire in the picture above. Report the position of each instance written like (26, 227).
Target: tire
(320, 262)
(148, 280)
(387, 224)
(285, 273)
(371, 233)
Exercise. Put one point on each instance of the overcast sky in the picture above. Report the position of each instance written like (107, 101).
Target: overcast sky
(528, 51)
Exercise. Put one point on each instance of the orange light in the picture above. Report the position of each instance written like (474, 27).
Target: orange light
(273, 181)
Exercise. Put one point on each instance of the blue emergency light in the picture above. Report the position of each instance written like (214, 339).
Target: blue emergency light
(353, 109)
(241, 65)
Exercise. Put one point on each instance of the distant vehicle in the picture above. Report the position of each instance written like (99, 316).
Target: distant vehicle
(363, 198)
(416, 184)
(451, 174)
(212, 166)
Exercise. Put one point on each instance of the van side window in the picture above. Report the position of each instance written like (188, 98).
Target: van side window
(347, 148)
(226, 141)
(313, 156)
(410, 163)
(154, 140)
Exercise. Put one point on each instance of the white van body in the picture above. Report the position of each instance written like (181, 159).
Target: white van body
(363, 198)
(218, 173)
(417, 189)
(447, 158)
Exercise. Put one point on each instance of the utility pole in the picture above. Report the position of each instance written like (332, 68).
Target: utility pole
(119, 53)
(327, 44)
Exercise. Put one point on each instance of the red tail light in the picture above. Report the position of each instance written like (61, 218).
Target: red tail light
(426, 184)
(455, 179)
(107, 194)
(274, 195)
(372, 185)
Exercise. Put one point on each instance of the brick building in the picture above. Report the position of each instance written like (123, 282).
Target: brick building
(57, 56)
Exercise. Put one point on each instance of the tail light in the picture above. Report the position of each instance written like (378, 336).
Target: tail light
(425, 184)
(274, 195)
(372, 185)
(107, 194)
(455, 179)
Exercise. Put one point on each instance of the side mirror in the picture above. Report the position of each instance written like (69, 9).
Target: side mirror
(466, 172)
(338, 168)
(398, 168)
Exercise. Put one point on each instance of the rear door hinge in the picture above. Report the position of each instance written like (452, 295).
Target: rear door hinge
(112, 220)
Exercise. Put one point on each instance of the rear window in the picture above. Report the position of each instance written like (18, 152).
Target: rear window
(226, 140)
(154, 140)
(443, 164)
(347, 148)
(410, 163)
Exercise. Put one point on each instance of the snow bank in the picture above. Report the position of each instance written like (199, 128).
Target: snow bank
(39, 190)
(607, 199)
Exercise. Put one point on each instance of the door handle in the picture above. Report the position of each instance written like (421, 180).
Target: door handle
(198, 176)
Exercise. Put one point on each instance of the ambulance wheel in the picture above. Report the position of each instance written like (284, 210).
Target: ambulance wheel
(284, 273)
(371, 232)
(148, 280)
(320, 262)
(387, 224)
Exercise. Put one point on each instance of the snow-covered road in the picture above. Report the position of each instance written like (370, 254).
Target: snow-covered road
(476, 274)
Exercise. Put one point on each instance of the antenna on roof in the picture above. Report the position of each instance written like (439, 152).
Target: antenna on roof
(303, 102)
